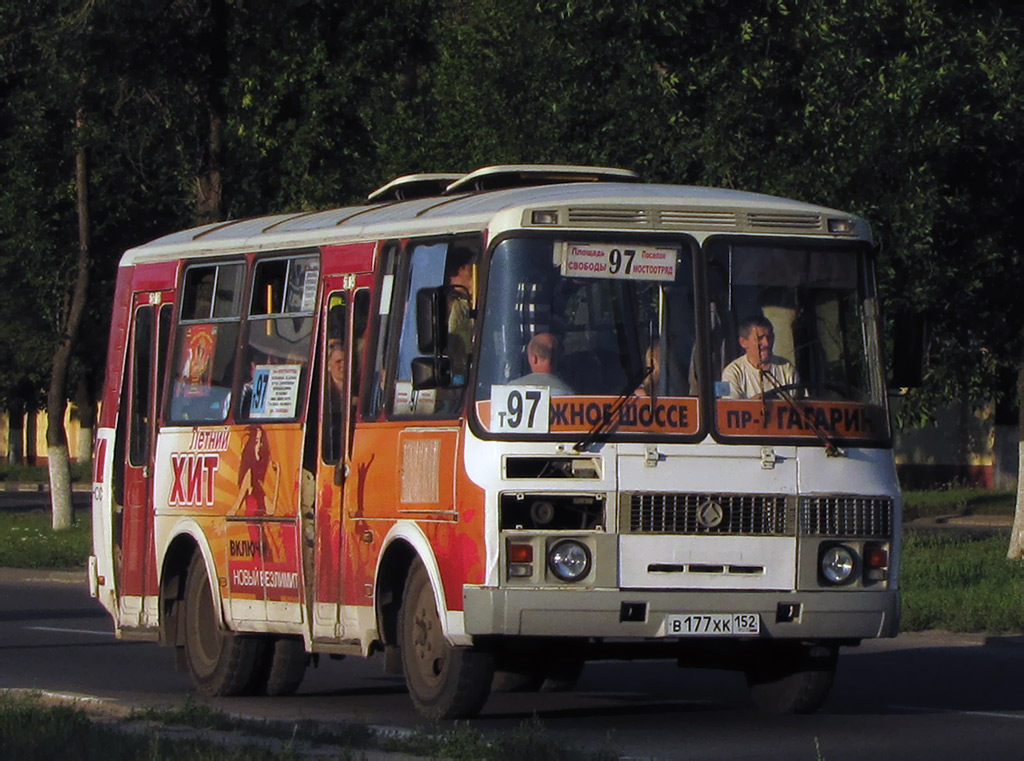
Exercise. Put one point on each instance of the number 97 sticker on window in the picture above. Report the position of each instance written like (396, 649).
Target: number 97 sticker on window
(520, 409)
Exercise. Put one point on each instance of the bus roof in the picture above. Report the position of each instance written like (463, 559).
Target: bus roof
(579, 206)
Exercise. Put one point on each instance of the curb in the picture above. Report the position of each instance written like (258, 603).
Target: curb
(36, 487)
(43, 576)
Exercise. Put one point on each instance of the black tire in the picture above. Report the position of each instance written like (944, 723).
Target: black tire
(444, 681)
(287, 666)
(792, 680)
(219, 661)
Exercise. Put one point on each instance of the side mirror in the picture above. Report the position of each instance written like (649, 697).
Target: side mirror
(431, 372)
(431, 321)
(909, 341)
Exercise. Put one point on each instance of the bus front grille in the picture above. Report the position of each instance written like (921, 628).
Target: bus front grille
(846, 516)
(710, 514)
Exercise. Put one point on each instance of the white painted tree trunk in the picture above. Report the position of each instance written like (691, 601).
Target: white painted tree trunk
(59, 463)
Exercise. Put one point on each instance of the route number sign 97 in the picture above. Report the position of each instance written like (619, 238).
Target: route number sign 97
(520, 409)
(614, 261)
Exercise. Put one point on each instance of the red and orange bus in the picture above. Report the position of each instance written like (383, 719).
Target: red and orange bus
(500, 424)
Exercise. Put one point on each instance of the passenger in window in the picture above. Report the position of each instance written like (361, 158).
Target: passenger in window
(459, 278)
(542, 355)
(335, 398)
(758, 370)
(652, 360)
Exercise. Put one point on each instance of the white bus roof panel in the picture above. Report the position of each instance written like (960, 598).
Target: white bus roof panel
(461, 213)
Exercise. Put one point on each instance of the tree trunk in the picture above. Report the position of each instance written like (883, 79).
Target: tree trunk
(1016, 549)
(59, 462)
(209, 187)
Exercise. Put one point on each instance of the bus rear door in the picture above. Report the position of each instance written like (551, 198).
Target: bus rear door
(136, 567)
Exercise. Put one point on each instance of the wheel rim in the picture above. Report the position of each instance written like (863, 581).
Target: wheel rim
(207, 639)
(430, 649)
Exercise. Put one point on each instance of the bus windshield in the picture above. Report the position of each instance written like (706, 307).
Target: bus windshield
(794, 341)
(568, 321)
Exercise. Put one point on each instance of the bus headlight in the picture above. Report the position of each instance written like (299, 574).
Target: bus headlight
(569, 560)
(837, 564)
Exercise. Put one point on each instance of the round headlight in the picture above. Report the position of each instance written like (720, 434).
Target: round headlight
(837, 565)
(569, 560)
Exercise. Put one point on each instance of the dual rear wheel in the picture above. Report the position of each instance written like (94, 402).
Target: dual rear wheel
(222, 662)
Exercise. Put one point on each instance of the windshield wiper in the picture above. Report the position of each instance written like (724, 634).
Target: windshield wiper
(603, 427)
(805, 413)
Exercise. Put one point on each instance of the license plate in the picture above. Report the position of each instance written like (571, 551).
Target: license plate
(712, 624)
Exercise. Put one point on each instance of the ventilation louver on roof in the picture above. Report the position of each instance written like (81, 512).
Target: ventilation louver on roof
(411, 186)
(530, 175)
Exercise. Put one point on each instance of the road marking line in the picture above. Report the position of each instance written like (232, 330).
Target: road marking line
(990, 714)
(68, 631)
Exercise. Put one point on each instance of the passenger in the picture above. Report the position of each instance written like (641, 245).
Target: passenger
(652, 359)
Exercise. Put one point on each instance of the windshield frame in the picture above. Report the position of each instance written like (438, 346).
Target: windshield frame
(867, 295)
(687, 245)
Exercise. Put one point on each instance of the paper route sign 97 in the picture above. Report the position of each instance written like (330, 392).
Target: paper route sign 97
(616, 261)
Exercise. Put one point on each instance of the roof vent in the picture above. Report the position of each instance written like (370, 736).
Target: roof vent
(531, 175)
(413, 186)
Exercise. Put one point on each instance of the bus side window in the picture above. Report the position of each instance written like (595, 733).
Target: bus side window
(360, 334)
(376, 354)
(279, 334)
(139, 425)
(335, 376)
(205, 343)
(451, 267)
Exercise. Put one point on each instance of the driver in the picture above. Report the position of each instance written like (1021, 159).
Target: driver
(540, 354)
(758, 370)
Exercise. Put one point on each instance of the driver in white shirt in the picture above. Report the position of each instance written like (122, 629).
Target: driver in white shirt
(758, 370)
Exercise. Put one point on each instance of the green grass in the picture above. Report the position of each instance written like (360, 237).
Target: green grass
(27, 541)
(81, 472)
(957, 501)
(32, 731)
(961, 583)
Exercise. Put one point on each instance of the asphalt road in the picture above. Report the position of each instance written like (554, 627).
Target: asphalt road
(928, 696)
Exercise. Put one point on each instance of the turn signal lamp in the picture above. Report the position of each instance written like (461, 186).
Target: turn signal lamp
(520, 561)
(876, 562)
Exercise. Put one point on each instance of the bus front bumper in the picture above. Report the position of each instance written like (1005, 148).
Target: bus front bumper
(643, 614)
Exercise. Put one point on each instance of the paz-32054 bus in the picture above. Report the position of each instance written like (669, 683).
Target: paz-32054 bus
(494, 425)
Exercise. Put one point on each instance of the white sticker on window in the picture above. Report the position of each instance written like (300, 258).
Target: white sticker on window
(620, 262)
(309, 283)
(520, 409)
(275, 389)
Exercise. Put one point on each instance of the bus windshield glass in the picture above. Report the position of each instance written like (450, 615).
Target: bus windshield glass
(585, 334)
(794, 342)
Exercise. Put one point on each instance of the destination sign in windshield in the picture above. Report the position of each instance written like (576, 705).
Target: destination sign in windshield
(620, 261)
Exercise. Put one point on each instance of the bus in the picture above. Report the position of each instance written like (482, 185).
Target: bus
(490, 426)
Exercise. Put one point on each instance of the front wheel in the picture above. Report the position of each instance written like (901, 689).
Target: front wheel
(793, 679)
(445, 681)
(219, 661)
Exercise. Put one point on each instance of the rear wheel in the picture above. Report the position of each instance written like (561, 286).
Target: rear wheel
(792, 679)
(445, 681)
(284, 667)
(219, 661)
